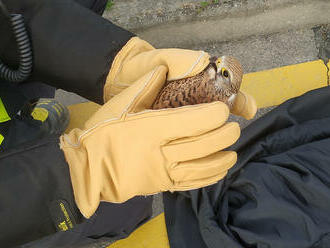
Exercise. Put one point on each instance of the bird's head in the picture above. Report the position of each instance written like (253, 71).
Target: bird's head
(227, 73)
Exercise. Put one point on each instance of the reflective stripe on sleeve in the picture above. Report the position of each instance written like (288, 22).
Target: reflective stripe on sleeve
(3, 113)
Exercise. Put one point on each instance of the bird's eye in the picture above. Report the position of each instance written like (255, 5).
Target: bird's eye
(224, 73)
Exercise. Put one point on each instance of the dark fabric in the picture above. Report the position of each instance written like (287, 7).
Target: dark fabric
(33, 178)
(4, 27)
(278, 193)
(11, 97)
(73, 47)
(14, 95)
(34, 90)
(20, 129)
(110, 221)
(98, 6)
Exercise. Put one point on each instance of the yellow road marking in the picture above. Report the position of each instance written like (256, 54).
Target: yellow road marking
(328, 72)
(152, 234)
(273, 87)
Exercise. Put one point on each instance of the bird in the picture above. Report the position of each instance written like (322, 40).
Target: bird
(219, 81)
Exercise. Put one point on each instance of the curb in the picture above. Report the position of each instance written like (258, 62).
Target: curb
(223, 25)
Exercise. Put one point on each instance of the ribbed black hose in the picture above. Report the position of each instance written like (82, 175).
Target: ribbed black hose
(24, 50)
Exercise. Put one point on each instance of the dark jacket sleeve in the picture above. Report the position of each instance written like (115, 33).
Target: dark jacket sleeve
(73, 47)
(36, 193)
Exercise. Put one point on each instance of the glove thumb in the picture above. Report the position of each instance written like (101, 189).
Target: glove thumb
(244, 106)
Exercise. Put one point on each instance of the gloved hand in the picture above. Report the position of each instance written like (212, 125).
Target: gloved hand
(126, 149)
(244, 106)
(138, 57)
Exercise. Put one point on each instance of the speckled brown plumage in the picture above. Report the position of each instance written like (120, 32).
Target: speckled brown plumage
(220, 81)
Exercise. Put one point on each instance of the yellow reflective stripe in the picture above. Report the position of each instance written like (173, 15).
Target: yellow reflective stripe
(40, 114)
(1, 139)
(67, 217)
(3, 113)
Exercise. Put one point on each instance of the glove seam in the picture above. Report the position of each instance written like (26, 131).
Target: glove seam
(222, 128)
(187, 73)
(122, 115)
(115, 68)
(99, 125)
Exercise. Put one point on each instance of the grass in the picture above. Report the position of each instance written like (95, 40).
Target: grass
(205, 4)
(110, 3)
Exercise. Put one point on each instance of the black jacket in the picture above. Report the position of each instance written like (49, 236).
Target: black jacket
(278, 193)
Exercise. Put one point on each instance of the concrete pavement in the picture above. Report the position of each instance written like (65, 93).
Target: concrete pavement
(261, 34)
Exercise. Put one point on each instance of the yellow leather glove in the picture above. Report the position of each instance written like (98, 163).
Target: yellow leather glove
(138, 57)
(244, 106)
(126, 149)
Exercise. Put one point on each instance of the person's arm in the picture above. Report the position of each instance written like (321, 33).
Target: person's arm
(73, 47)
(125, 149)
(36, 193)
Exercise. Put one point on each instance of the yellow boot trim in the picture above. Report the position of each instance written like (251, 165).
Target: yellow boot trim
(39, 114)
